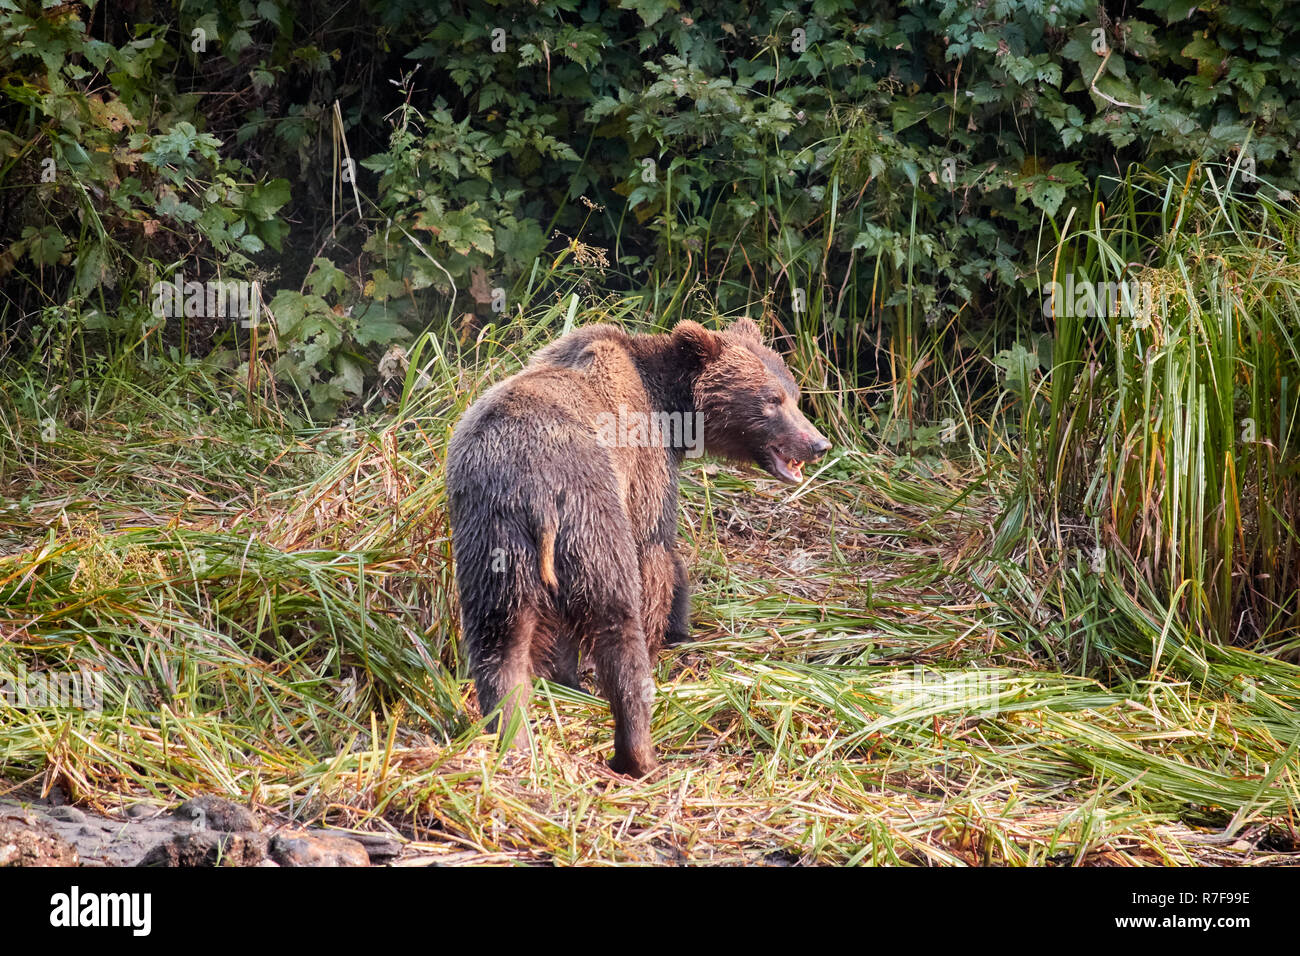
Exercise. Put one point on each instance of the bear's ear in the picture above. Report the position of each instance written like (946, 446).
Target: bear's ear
(746, 329)
(697, 339)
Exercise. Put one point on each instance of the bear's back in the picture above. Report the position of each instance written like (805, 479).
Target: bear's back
(553, 419)
(572, 350)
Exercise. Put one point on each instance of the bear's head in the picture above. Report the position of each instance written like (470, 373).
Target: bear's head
(749, 402)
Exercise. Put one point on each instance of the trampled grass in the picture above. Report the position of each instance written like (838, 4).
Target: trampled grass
(881, 673)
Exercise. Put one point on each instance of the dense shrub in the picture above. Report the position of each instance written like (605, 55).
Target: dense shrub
(869, 174)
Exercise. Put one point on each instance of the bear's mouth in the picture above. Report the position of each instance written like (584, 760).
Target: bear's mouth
(789, 470)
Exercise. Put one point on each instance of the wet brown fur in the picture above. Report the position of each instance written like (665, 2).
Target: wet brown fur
(564, 542)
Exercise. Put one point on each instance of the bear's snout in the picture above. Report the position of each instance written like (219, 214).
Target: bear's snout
(800, 443)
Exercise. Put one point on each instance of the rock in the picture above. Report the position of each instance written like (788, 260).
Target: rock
(208, 848)
(29, 842)
(379, 848)
(298, 848)
(68, 814)
(203, 832)
(215, 813)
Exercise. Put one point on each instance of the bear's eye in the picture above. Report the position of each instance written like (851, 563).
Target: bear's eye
(774, 400)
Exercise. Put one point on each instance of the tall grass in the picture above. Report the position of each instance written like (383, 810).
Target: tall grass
(1164, 439)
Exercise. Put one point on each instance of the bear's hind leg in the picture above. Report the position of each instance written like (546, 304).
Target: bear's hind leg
(603, 604)
(623, 672)
(504, 678)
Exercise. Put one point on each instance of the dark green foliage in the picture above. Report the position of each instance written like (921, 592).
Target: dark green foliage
(867, 174)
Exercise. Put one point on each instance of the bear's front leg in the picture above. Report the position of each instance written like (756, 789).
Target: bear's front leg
(658, 595)
(678, 630)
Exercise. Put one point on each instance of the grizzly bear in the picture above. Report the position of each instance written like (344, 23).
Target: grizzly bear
(562, 487)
